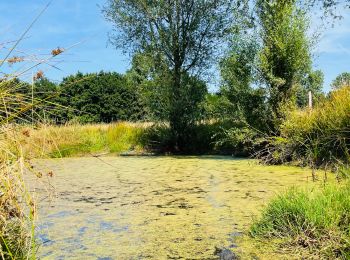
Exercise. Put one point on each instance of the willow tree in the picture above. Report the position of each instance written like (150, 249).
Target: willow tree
(186, 34)
(285, 58)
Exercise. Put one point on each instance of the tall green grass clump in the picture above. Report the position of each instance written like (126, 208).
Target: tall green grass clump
(316, 220)
(317, 137)
(123, 137)
(79, 140)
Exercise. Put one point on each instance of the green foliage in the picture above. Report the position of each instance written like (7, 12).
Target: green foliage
(151, 77)
(240, 140)
(13, 239)
(204, 138)
(317, 220)
(215, 106)
(285, 57)
(81, 98)
(45, 89)
(242, 103)
(122, 138)
(91, 139)
(247, 104)
(318, 137)
(102, 97)
(182, 35)
(341, 80)
(314, 83)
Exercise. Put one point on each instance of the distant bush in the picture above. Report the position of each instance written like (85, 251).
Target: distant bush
(319, 137)
(83, 98)
(317, 220)
(99, 97)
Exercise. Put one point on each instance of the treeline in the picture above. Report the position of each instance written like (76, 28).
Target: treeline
(262, 49)
(263, 52)
(83, 98)
(109, 97)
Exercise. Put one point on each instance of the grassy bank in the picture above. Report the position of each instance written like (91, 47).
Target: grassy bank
(76, 140)
(317, 137)
(313, 221)
(43, 141)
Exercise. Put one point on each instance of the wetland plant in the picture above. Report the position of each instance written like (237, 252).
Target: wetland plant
(316, 221)
(17, 206)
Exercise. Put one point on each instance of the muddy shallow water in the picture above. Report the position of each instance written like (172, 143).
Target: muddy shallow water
(152, 207)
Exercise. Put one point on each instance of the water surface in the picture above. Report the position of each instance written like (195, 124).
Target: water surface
(152, 207)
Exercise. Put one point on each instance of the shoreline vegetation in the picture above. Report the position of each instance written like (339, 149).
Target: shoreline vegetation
(313, 221)
(260, 110)
(304, 220)
(300, 220)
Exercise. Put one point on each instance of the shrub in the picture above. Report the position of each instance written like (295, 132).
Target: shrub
(205, 137)
(315, 219)
(241, 141)
(319, 137)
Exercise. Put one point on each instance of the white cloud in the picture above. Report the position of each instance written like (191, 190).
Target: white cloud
(335, 38)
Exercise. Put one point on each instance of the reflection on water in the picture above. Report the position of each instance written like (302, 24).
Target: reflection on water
(152, 207)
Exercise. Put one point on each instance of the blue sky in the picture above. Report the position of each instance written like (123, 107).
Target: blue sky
(70, 22)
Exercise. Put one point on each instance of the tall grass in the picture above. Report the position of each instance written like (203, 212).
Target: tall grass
(45, 141)
(77, 140)
(317, 137)
(317, 220)
(17, 206)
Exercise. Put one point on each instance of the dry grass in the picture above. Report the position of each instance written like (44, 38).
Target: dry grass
(76, 140)
(17, 206)
(318, 137)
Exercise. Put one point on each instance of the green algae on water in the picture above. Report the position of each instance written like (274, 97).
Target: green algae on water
(155, 207)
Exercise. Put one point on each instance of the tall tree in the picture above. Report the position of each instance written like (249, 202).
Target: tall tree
(341, 80)
(153, 84)
(238, 72)
(285, 58)
(186, 34)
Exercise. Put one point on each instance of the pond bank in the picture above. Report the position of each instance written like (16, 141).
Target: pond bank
(155, 207)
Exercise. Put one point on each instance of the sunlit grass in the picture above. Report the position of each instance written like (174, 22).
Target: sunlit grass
(17, 205)
(317, 137)
(316, 220)
(77, 140)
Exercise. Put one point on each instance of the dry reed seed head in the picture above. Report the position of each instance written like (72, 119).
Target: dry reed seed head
(26, 133)
(57, 51)
(38, 75)
(32, 208)
(39, 175)
(15, 59)
(50, 174)
(31, 203)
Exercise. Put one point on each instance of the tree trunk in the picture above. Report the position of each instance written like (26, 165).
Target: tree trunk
(176, 113)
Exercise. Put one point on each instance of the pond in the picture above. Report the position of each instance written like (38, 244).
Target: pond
(152, 207)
